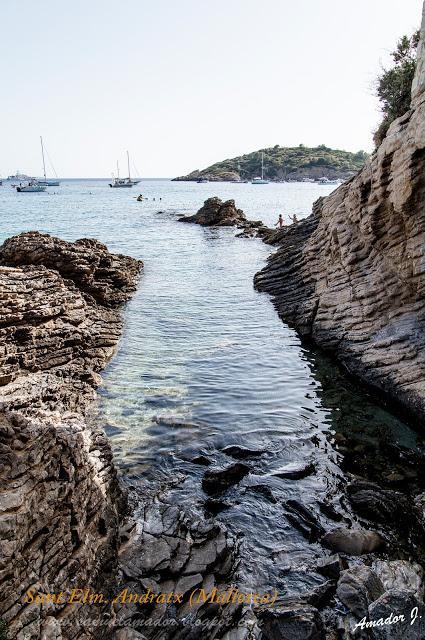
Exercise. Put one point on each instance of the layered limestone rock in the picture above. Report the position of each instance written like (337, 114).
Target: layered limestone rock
(351, 277)
(60, 501)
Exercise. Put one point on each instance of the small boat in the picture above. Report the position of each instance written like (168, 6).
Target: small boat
(31, 187)
(202, 180)
(261, 180)
(47, 182)
(118, 182)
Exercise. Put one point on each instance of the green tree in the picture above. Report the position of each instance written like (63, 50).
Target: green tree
(393, 86)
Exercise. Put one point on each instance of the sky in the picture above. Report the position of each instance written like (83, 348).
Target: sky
(185, 83)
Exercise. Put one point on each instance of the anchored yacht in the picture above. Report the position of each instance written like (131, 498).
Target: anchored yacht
(261, 180)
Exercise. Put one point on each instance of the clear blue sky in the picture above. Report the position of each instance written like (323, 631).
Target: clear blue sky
(184, 83)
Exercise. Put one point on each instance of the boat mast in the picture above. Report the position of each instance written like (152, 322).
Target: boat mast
(42, 154)
(262, 165)
(118, 171)
(128, 164)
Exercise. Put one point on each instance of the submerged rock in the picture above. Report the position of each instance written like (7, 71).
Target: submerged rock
(296, 473)
(202, 460)
(218, 480)
(241, 453)
(263, 490)
(303, 519)
(354, 542)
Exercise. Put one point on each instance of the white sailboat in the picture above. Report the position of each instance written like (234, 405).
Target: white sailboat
(261, 180)
(47, 182)
(118, 182)
(31, 187)
(130, 179)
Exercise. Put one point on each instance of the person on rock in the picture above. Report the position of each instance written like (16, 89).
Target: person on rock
(294, 219)
(281, 222)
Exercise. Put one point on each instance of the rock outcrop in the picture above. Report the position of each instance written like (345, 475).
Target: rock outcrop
(60, 505)
(216, 213)
(351, 277)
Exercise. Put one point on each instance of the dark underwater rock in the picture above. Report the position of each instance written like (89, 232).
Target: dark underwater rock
(218, 480)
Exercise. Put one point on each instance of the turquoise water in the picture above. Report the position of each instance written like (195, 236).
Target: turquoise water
(201, 347)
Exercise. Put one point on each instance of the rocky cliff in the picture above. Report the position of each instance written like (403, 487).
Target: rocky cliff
(60, 501)
(352, 276)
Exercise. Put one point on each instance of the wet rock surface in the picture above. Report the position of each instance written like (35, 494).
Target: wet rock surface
(164, 550)
(377, 504)
(216, 481)
(61, 503)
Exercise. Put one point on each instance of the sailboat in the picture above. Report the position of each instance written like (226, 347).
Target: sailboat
(31, 187)
(261, 180)
(47, 182)
(122, 182)
(130, 179)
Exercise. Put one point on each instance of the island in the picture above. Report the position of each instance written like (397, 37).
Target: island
(284, 164)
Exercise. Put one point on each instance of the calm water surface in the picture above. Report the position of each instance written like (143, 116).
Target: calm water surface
(201, 347)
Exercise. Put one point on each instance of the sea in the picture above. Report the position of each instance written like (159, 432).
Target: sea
(205, 362)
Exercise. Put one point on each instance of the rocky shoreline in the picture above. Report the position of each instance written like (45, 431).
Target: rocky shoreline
(350, 278)
(67, 523)
(61, 504)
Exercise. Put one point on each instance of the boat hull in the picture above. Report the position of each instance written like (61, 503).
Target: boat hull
(49, 183)
(38, 189)
(120, 186)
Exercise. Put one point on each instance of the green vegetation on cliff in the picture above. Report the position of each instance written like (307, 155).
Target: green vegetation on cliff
(282, 163)
(394, 85)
